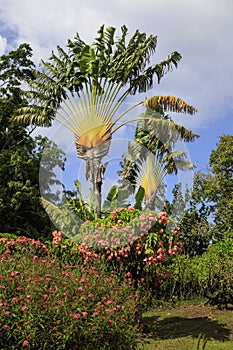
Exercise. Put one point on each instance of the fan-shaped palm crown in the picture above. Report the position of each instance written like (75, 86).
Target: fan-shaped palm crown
(84, 88)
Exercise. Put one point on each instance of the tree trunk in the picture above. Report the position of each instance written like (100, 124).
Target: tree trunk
(95, 169)
(97, 187)
(150, 202)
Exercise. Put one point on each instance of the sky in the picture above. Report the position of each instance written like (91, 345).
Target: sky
(201, 30)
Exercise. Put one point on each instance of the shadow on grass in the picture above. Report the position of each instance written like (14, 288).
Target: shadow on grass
(178, 327)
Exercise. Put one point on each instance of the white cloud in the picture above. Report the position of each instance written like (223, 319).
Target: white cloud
(3, 44)
(200, 30)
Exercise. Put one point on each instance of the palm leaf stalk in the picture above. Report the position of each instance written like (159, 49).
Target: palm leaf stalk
(84, 89)
(149, 176)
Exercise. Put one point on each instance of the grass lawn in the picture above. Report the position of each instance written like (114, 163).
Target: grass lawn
(178, 328)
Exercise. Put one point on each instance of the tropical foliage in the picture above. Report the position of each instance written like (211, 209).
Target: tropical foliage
(20, 154)
(85, 88)
(87, 284)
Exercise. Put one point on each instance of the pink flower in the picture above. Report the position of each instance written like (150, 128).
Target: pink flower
(6, 313)
(91, 295)
(23, 308)
(14, 273)
(109, 321)
(85, 314)
(131, 208)
(77, 316)
(25, 343)
(15, 299)
(5, 326)
(45, 296)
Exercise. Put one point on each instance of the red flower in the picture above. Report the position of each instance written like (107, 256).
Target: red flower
(15, 299)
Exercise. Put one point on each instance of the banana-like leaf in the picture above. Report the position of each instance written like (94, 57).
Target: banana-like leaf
(139, 198)
(169, 103)
(113, 193)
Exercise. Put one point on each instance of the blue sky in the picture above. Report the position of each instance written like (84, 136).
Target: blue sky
(201, 30)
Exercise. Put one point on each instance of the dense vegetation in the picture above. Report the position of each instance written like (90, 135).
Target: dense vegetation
(86, 283)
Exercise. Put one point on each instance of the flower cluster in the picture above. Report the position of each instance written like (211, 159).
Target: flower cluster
(57, 237)
(21, 244)
(63, 306)
(163, 219)
(138, 246)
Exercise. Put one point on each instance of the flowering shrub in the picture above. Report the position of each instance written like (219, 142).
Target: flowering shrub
(48, 305)
(9, 245)
(141, 244)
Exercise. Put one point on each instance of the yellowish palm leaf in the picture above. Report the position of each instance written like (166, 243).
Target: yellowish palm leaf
(151, 174)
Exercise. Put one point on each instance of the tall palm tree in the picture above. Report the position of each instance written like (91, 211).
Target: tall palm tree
(84, 88)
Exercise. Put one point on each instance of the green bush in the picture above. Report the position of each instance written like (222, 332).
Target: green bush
(182, 282)
(8, 235)
(48, 305)
(209, 275)
(214, 271)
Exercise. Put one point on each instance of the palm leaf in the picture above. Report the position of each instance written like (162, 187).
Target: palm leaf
(169, 103)
(150, 175)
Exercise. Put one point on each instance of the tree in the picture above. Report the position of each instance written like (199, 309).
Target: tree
(20, 154)
(162, 145)
(191, 216)
(217, 186)
(84, 88)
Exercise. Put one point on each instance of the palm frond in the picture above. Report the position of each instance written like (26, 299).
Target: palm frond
(165, 129)
(32, 115)
(150, 175)
(169, 103)
(167, 65)
(56, 214)
(90, 116)
(75, 46)
(177, 160)
(144, 81)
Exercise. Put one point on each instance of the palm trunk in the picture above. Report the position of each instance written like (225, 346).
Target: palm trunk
(95, 169)
(150, 202)
(97, 187)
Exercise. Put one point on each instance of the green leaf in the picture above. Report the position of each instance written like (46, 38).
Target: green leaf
(139, 198)
(113, 194)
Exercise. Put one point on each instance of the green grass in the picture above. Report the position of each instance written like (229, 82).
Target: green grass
(179, 327)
